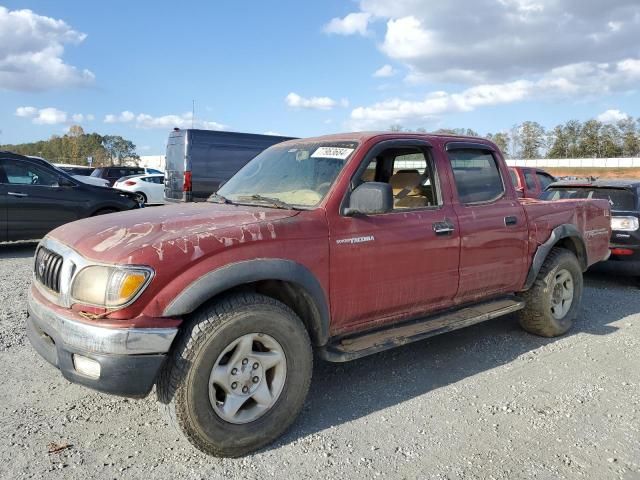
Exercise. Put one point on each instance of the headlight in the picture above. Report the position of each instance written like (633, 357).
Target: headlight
(108, 286)
(625, 224)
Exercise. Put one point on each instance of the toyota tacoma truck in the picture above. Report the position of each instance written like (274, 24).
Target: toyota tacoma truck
(343, 245)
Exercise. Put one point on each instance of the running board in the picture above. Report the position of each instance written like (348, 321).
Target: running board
(355, 346)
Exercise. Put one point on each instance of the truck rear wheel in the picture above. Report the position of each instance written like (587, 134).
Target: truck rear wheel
(554, 299)
(239, 375)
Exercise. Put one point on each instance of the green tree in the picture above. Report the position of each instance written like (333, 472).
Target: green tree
(559, 143)
(119, 149)
(629, 137)
(610, 141)
(501, 139)
(532, 139)
(589, 143)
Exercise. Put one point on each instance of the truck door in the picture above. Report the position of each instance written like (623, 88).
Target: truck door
(493, 226)
(398, 265)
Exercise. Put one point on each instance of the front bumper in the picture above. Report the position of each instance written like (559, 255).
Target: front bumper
(129, 358)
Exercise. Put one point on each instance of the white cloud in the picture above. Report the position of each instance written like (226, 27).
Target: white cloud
(349, 25)
(384, 72)
(165, 122)
(580, 79)
(612, 116)
(488, 41)
(51, 116)
(124, 117)
(271, 132)
(26, 111)
(31, 49)
(315, 103)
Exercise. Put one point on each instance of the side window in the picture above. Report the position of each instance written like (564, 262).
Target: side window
(410, 174)
(477, 175)
(25, 173)
(544, 179)
(530, 179)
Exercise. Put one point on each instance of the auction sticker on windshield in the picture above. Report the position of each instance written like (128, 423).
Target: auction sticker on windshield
(339, 153)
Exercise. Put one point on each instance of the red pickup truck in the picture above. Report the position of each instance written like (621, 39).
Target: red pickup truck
(346, 244)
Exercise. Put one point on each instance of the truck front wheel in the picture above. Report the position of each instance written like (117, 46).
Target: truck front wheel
(239, 375)
(554, 299)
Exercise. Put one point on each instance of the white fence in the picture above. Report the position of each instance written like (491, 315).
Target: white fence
(576, 162)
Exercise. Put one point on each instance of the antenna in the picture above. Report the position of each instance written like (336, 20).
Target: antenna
(193, 111)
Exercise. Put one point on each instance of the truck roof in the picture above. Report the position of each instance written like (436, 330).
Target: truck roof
(364, 136)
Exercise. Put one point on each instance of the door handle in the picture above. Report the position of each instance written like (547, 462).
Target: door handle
(443, 228)
(16, 194)
(510, 221)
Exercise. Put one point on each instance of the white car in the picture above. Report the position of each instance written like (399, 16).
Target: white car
(150, 188)
(98, 182)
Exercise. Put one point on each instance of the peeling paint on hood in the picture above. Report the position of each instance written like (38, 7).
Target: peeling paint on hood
(194, 229)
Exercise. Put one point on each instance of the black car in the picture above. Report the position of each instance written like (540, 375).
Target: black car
(198, 162)
(36, 197)
(623, 195)
(114, 173)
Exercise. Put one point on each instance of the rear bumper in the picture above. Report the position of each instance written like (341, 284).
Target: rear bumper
(129, 358)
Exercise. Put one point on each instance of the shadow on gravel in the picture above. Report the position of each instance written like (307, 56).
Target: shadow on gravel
(344, 392)
(17, 250)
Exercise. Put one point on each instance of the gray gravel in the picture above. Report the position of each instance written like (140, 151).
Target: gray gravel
(486, 402)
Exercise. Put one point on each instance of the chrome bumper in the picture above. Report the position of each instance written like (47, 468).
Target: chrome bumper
(96, 339)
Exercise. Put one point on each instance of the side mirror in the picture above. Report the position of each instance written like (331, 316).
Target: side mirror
(519, 192)
(370, 198)
(65, 182)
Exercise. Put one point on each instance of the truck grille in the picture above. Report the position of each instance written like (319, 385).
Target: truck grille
(48, 267)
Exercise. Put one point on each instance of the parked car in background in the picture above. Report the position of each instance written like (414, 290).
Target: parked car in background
(199, 161)
(624, 198)
(346, 244)
(111, 174)
(81, 173)
(150, 188)
(36, 197)
(75, 169)
(530, 182)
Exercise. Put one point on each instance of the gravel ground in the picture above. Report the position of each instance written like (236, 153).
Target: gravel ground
(487, 402)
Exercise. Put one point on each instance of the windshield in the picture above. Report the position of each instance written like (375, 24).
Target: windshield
(294, 175)
(619, 198)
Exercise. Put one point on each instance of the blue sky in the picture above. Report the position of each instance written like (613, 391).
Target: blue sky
(309, 68)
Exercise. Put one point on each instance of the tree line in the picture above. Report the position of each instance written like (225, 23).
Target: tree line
(76, 146)
(573, 139)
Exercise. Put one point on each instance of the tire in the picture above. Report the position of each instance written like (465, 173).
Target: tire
(142, 196)
(547, 312)
(105, 211)
(184, 384)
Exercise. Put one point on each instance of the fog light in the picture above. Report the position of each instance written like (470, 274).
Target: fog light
(86, 366)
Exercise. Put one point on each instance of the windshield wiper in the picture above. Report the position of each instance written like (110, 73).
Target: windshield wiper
(217, 198)
(275, 202)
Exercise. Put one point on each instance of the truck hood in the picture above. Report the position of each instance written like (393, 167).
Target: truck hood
(195, 229)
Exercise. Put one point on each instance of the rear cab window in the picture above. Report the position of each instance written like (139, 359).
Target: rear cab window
(477, 175)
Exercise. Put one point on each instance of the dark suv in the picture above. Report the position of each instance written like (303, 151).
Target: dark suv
(114, 173)
(36, 197)
(623, 195)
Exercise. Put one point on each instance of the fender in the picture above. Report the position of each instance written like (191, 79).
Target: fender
(237, 274)
(557, 234)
